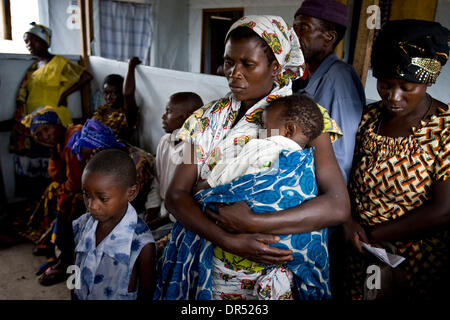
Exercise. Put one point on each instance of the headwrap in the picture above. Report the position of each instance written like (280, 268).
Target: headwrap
(41, 31)
(328, 10)
(47, 115)
(93, 135)
(282, 40)
(412, 50)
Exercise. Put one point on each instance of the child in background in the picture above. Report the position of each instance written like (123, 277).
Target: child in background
(114, 248)
(168, 156)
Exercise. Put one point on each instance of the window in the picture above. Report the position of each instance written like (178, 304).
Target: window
(125, 30)
(216, 23)
(21, 13)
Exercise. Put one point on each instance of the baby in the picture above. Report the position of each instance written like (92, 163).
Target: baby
(291, 123)
(114, 247)
(271, 174)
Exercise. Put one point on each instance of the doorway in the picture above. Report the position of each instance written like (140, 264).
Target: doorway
(216, 23)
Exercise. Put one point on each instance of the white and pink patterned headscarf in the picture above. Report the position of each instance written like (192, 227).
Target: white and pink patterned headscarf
(282, 40)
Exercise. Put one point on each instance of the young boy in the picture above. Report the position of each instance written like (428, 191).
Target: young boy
(168, 156)
(114, 248)
(291, 123)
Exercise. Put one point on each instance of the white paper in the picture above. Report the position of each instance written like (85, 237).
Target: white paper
(388, 258)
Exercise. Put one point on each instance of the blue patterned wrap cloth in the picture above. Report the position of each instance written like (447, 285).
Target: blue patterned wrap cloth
(185, 268)
(93, 135)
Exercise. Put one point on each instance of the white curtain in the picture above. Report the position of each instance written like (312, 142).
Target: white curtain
(125, 30)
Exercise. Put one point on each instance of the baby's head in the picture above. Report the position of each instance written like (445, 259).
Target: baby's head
(180, 106)
(109, 183)
(296, 117)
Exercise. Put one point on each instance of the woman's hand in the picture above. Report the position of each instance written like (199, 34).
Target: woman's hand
(234, 218)
(255, 247)
(20, 111)
(200, 185)
(354, 234)
(134, 62)
(63, 100)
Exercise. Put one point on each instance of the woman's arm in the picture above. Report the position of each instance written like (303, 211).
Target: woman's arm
(181, 204)
(330, 208)
(84, 79)
(146, 272)
(55, 166)
(130, 106)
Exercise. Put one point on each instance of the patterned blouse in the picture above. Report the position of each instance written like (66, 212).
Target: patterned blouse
(116, 120)
(394, 175)
(107, 267)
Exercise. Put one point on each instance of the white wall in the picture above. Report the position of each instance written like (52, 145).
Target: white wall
(284, 8)
(55, 14)
(154, 86)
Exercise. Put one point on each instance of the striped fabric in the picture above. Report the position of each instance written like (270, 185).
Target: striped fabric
(125, 30)
(394, 175)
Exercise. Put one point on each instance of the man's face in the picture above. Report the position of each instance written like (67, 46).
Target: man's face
(311, 35)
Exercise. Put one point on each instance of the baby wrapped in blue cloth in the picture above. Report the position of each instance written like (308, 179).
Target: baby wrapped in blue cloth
(271, 174)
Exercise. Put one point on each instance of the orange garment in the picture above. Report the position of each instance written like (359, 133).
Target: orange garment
(66, 170)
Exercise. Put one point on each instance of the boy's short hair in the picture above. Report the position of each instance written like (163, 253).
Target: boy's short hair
(191, 100)
(114, 162)
(303, 111)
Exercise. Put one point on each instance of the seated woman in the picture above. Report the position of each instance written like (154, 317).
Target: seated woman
(120, 112)
(48, 82)
(262, 54)
(400, 182)
(95, 136)
(62, 201)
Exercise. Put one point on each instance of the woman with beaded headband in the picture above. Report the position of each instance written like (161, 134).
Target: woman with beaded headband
(400, 182)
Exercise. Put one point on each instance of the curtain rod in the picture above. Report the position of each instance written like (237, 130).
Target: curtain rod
(132, 2)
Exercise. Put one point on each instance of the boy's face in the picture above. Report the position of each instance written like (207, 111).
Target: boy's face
(105, 197)
(174, 116)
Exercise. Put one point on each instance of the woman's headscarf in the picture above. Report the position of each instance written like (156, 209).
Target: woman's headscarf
(282, 40)
(93, 135)
(412, 50)
(47, 115)
(41, 31)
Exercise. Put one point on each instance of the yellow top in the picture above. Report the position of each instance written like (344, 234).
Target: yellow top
(46, 85)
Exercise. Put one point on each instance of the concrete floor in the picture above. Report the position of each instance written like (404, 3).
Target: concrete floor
(18, 281)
